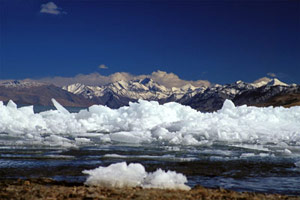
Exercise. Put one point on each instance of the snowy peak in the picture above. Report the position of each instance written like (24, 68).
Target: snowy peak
(76, 88)
(145, 88)
(120, 85)
(261, 82)
(276, 82)
(146, 81)
(241, 85)
(152, 85)
(267, 81)
(121, 92)
(188, 87)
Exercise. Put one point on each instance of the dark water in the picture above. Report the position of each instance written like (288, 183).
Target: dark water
(38, 108)
(232, 167)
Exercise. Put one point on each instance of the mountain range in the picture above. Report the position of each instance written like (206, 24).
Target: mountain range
(114, 94)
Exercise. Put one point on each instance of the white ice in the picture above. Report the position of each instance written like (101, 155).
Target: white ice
(133, 175)
(149, 122)
(163, 157)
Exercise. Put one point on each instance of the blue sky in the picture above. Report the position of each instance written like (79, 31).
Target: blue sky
(219, 41)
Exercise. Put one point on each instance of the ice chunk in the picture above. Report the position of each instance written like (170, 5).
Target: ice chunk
(150, 122)
(228, 105)
(27, 110)
(117, 175)
(163, 157)
(133, 137)
(287, 152)
(11, 104)
(133, 175)
(82, 140)
(59, 107)
(166, 180)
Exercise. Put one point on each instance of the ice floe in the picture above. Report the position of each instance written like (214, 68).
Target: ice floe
(150, 122)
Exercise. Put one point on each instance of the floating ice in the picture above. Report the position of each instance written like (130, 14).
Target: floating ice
(59, 107)
(163, 157)
(149, 122)
(133, 175)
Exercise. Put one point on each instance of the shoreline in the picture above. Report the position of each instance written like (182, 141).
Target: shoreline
(45, 188)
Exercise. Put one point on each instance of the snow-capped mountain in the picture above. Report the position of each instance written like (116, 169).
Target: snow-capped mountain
(120, 93)
(212, 98)
(267, 81)
(146, 89)
(241, 93)
(262, 92)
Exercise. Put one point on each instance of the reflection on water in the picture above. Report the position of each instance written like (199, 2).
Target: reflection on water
(239, 167)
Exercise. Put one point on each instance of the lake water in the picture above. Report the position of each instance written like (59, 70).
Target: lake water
(236, 167)
(267, 163)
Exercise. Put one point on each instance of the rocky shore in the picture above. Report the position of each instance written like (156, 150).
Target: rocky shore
(52, 190)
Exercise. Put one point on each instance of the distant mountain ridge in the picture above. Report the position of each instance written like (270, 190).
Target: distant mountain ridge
(169, 80)
(240, 93)
(133, 90)
(34, 93)
(262, 92)
(202, 98)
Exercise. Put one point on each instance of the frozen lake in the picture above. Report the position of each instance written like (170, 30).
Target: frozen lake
(240, 148)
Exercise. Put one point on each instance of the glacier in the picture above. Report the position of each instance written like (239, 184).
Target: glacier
(149, 122)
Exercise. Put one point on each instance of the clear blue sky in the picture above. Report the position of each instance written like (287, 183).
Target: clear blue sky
(220, 41)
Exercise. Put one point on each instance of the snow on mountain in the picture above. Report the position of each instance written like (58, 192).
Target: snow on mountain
(261, 82)
(212, 98)
(275, 82)
(267, 81)
(121, 92)
(166, 79)
(241, 93)
(145, 88)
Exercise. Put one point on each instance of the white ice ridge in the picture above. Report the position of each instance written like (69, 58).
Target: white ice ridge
(148, 122)
(134, 175)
